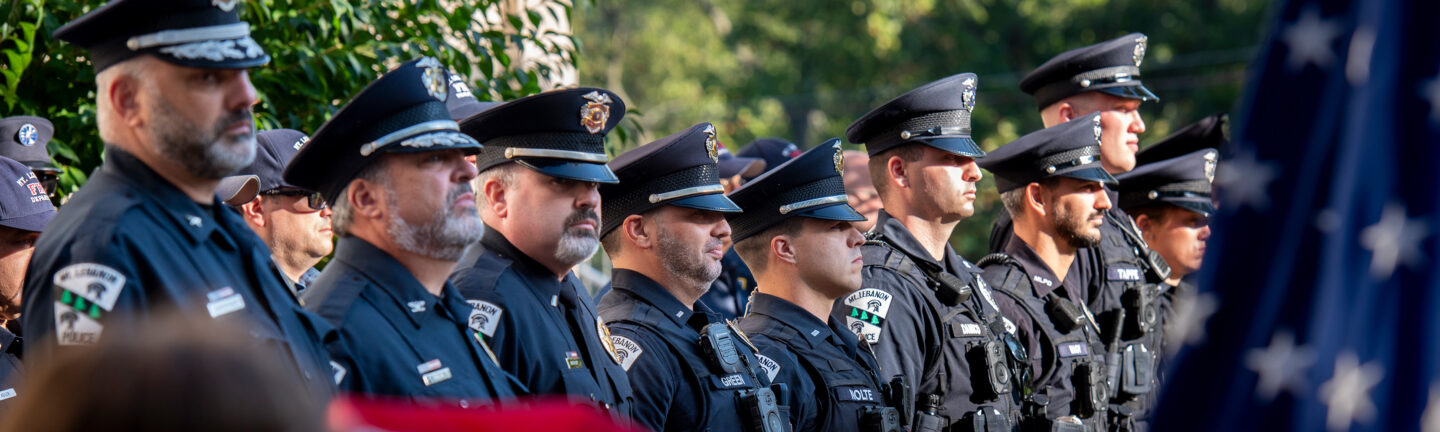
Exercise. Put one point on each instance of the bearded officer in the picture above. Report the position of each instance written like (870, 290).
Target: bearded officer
(1104, 79)
(924, 307)
(538, 195)
(392, 164)
(1053, 183)
(146, 232)
(664, 228)
(797, 234)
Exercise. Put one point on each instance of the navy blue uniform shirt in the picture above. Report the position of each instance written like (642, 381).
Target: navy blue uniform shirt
(658, 340)
(541, 328)
(396, 338)
(129, 242)
(830, 375)
(912, 332)
(10, 368)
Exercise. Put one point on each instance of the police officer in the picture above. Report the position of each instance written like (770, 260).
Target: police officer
(145, 232)
(664, 229)
(392, 165)
(797, 234)
(1104, 78)
(294, 222)
(23, 138)
(1052, 182)
(538, 194)
(924, 307)
(1171, 202)
(25, 209)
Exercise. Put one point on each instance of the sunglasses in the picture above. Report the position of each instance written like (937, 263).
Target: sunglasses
(313, 200)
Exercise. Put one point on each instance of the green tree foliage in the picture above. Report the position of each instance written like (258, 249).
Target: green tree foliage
(805, 69)
(323, 52)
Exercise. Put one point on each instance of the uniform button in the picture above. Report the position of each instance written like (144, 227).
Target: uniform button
(464, 403)
(307, 375)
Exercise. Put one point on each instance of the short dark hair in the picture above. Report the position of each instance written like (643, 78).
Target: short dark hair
(880, 163)
(755, 250)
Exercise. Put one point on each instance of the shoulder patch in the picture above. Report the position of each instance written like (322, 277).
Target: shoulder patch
(627, 350)
(868, 307)
(74, 326)
(985, 292)
(772, 368)
(485, 317)
(338, 371)
(97, 284)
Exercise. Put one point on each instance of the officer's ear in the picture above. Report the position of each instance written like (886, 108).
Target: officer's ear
(1035, 198)
(1065, 111)
(637, 232)
(1144, 223)
(124, 92)
(367, 198)
(253, 211)
(782, 248)
(895, 171)
(493, 189)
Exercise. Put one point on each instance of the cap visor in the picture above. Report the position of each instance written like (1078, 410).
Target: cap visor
(742, 166)
(1204, 208)
(236, 190)
(712, 202)
(960, 145)
(1136, 91)
(33, 223)
(1090, 173)
(567, 169)
(835, 212)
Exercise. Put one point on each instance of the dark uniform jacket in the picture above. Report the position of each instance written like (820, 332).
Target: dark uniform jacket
(542, 329)
(1122, 281)
(831, 377)
(915, 335)
(10, 369)
(1127, 283)
(1024, 284)
(398, 339)
(677, 387)
(129, 243)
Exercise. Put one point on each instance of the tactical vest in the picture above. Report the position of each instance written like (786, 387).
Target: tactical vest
(990, 406)
(1131, 286)
(856, 394)
(1072, 381)
(725, 365)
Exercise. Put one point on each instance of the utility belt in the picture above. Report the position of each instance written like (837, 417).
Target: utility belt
(762, 407)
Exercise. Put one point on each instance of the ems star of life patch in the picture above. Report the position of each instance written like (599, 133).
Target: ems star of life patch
(627, 350)
(772, 368)
(485, 317)
(868, 307)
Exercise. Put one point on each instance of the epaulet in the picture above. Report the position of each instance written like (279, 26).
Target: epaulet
(333, 294)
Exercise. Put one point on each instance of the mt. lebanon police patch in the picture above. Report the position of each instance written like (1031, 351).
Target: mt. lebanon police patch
(868, 307)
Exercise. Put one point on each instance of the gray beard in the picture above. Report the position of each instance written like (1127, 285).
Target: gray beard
(575, 248)
(443, 237)
(205, 154)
